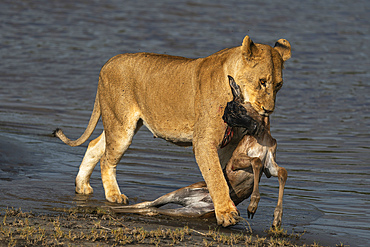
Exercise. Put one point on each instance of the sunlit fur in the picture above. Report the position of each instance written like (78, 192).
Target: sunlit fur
(180, 100)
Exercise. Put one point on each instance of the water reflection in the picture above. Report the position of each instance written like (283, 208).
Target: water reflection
(51, 55)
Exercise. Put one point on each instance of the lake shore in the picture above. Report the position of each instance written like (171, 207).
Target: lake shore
(99, 227)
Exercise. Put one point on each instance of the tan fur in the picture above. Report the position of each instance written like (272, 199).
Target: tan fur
(180, 100)
(252, 156)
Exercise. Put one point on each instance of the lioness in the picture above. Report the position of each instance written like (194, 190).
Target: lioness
(180, 100)
(254, 154)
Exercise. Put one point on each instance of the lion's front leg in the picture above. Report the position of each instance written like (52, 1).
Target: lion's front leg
(210, 167)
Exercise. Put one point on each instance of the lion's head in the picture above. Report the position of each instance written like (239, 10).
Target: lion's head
(260, 75)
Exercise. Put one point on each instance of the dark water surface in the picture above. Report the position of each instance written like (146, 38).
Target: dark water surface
(52, 51)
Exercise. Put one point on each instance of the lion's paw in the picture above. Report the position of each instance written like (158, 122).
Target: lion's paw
(118, 198)
(84, 189)
(227, 218)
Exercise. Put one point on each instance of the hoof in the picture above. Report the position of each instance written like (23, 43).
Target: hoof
(250, 214)
(253, 205)
(276, 224)
(278, 214)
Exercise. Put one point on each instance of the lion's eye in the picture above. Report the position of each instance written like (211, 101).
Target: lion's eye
(263, 82)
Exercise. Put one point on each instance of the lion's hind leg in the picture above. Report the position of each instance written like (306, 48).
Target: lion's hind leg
(92, 156)
(119, 135)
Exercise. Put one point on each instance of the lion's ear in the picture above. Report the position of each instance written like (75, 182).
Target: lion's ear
(247, 47)
(284, 49)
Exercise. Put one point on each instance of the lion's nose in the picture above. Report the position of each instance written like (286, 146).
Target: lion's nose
(267, 111)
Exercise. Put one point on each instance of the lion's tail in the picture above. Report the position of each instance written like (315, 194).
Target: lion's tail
(88, 131)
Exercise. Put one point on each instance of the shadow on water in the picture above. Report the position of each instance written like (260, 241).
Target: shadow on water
(51, 56)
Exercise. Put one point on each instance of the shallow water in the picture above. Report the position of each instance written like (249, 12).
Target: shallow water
(51, 54)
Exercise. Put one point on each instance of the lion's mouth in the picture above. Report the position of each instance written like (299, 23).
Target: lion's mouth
(261, 110)
(266, 112)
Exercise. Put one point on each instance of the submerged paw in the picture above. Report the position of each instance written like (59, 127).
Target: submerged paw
(118, 198)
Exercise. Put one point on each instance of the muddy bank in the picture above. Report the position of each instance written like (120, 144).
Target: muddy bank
(99, 227)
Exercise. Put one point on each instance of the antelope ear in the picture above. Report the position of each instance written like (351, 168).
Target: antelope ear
(235, 89)
(284, 48)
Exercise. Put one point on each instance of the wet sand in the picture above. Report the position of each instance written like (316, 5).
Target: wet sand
(99, 227)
